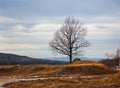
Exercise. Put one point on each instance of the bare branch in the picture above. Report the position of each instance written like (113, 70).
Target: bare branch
(70, 39)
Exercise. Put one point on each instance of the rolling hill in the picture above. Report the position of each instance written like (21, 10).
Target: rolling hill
(13, 59)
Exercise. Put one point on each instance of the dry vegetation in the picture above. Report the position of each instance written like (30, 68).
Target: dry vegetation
(25, 70)
(104, 78)
(76, 68)
(111, 81)
(114, 79)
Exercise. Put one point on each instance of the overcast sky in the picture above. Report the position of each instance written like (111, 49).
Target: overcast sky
(26, 26)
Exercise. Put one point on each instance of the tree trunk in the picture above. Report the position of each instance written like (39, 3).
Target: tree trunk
(70, 57)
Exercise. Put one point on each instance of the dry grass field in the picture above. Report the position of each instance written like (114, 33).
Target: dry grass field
(111, 81)
(75, 68)
(102, 76)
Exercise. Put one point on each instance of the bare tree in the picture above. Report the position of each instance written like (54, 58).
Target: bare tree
(70, 39)
(113, 56)
(113, 59)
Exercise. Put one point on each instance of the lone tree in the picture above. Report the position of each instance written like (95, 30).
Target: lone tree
(70, 39)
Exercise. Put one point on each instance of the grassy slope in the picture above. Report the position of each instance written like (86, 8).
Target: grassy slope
(112, 81)
(76, 68)
(86, 68)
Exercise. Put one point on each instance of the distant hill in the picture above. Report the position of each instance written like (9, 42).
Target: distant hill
(13, 59)
(67, 59)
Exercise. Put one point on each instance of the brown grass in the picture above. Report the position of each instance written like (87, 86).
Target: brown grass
(53, 83)
(115, 79)
(75, 68)
(25, 70)
(95, 82)
(86, 68)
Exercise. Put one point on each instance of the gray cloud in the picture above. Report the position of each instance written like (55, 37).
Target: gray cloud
(29, 8)
(27, 25)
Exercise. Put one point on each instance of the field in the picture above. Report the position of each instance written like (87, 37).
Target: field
(79, 74)
(94, 82)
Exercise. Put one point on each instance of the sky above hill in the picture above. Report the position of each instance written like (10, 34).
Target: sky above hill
(27, 26)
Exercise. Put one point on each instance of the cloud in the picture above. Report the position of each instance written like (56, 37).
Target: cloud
(103, 35)
(58, 8)
(18, 28)
(33, 23)
(26, 38)
(4, 19)
(114, 27)
(45, 27)
(21, 47)
(102, 27)
(102, 19)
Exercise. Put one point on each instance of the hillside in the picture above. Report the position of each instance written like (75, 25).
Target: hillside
(95, 75)
(12, 59)
(86, 67)
(75, 68)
